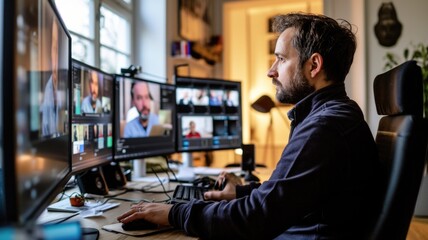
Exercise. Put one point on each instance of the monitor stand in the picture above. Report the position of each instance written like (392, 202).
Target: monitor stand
(187, 159)
(185, 171)
(90, 233)
(139, 168)
(250, 177)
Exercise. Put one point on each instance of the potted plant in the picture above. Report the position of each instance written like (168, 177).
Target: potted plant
(77, 199)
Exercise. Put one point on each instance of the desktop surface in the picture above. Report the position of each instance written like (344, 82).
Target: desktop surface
(418, 228)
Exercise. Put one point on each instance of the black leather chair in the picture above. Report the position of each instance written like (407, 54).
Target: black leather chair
(402, 140)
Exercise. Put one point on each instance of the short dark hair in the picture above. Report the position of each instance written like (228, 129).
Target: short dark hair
(132, 89)
(334, 41)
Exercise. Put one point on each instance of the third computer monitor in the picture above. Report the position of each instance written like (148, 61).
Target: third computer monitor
(208, 114)
(145, 117)
(92, 116)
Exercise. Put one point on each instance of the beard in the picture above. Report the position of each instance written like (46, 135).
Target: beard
(144, 114)
(93, 99)
(298, 89)
(144, 117)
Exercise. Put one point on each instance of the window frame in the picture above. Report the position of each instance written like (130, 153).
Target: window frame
(118, 7)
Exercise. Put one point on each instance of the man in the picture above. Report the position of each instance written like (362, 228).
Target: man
(141, 125)
(324, 185)
(52, 104)
(92, 103)
(192, 131)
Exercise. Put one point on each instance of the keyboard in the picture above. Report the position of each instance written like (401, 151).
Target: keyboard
(185, 193)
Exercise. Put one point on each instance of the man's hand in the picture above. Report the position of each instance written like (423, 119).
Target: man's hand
(229, 191)
(153, 212)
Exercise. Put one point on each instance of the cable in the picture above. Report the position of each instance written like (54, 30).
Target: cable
(163, 187)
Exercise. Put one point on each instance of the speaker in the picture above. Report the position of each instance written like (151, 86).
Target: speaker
(248, 163)
(114, 176)
(92, 181)
(248, 159)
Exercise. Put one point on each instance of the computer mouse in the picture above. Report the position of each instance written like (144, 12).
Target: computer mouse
(139, 224)
(205, 182)
(218, 186)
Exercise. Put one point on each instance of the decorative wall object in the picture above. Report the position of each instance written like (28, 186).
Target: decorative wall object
(195, 20)
(388, 28)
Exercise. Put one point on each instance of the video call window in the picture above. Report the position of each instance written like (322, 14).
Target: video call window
(197, 127)
(91, 95)
(39, 107)
(208, 113)
(142, 113)
(146, 117)
(92, 117)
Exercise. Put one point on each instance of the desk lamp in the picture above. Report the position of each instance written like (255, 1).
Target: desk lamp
(265, 104)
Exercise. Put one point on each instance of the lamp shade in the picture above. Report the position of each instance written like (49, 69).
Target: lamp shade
(264, 104)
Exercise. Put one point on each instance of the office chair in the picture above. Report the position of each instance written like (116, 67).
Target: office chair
(402, 140)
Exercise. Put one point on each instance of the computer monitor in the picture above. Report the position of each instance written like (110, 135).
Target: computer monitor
(34, 109)
(92, 117)
(145, 118)
(208, 114)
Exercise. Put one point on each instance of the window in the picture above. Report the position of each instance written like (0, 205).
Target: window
(101, 31)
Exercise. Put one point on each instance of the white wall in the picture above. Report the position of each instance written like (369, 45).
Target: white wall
(150, 34)
(159, 28)
(353, 12)
(413, 16)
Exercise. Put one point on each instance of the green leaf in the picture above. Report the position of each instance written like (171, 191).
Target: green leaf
(406, 54)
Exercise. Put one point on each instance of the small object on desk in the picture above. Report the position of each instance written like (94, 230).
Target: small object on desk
(90, 234)
(65, 206)
(77, 200)
(117, 228)
(139, 224)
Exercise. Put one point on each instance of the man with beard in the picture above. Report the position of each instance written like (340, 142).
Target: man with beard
(52, 103)
(324, 185)
(143, 123)
(92, 103)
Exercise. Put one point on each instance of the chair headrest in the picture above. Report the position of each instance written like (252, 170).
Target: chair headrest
(399, 90)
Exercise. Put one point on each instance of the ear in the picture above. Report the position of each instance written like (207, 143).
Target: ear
(316, 64)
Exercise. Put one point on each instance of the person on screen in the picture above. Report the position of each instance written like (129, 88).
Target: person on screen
(192, 131)
(141, 125)
(326, 182)
(74, 133)
(52, 103)
(229, 99)
(215, 98)
(200, 97)
(185, 99)
(92, 103)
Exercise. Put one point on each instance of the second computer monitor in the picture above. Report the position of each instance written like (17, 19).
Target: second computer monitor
(208, 114)
(145, 117)
(92, 116)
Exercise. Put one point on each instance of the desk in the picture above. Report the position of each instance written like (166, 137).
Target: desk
(109, 217)
(418, 228)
